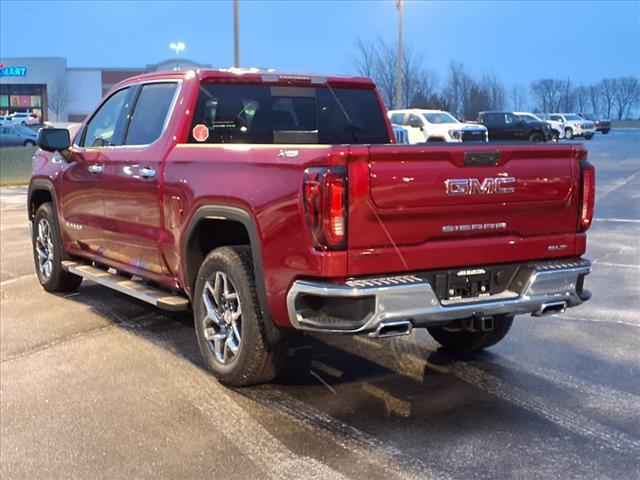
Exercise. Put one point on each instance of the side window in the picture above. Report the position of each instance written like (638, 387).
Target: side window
(396, 118)
(415, 121)
(510, 119)
(493, 119)
(105, 128)
(150, 113)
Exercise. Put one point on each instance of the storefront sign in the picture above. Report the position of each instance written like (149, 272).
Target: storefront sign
(11, 71)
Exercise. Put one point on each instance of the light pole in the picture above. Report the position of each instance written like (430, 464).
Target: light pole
(236, 35)
(178, 47)
(399, 4)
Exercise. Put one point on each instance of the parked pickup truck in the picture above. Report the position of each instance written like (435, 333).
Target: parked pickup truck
(504, 126)
(272, 204)
(436, 126)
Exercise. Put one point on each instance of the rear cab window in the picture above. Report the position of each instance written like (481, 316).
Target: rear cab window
(231, 113)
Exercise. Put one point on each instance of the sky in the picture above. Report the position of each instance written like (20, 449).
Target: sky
(519, 41)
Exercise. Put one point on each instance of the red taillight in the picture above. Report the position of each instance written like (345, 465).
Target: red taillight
(325, 205)
(588, 195)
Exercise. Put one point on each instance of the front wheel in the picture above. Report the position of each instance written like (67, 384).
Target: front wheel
(568, 134)
(228, 319)
(536, 137)
(48, 253)
(471, 334)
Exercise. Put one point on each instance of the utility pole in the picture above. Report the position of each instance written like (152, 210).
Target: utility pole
(399, 5)
(236, 36)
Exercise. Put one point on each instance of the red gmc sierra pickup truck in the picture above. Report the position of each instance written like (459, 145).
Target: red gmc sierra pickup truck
(270, 204)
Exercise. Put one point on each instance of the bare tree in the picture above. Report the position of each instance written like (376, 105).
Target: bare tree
(457, 90)
(425, 90)
(494, 90)
(518, 97)
(581, 98)
(365, 59)
(566, 101)
(57, 97)
(548, 93)
(378, 60)
(626, 92)
(607, 88)
(594, 99)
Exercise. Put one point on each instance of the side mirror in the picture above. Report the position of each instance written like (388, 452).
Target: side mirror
(415, 124)
(53, 139)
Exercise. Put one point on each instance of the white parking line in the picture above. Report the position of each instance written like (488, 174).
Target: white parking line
(536, 404)
(16, 279)
(619, 265)
(620, 220)
(618, 184)
(560, 416)
(592, 394)
(565, 317)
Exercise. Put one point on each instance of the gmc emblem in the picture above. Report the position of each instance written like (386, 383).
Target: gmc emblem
(473, 186)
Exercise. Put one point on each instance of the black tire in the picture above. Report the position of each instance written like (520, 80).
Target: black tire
(536, 137)
(555, 136)
(256, 360)
(24, 123)
(52, 278)
(568, 133)
(465, 341)
(29, 143)
(589, 137)
(605, 131)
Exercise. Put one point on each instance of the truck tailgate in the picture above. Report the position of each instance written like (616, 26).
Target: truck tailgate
(416, 208)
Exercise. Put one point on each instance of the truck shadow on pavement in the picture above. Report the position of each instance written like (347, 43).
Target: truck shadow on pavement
(397, 383)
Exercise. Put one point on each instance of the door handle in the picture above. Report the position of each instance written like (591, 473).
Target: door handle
(95, 168)
(147, 172)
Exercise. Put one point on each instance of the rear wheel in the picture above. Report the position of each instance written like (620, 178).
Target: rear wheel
(605, 131)
(29, 143)
(589, 136)
(228, 318)
(472, 334)
(48, 253)
(568, 133)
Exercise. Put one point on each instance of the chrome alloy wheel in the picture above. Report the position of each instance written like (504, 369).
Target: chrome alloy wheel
(44, 249)
(223, 323)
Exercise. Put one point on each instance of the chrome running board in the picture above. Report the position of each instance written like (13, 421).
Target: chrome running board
(134, 288)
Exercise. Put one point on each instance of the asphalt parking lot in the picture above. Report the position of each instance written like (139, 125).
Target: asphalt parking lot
(95, 385)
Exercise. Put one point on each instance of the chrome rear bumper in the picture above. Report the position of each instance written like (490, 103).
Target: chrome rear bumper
(541, 288)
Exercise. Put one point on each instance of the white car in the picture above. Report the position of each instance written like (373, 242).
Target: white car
(574, 125)
(24, 118)
(557, 128)
(436, 126)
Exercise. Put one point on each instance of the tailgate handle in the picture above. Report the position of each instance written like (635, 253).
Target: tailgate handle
(481, 159)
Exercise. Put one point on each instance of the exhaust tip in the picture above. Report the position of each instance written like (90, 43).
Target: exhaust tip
(550, 309)
(393, 329)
